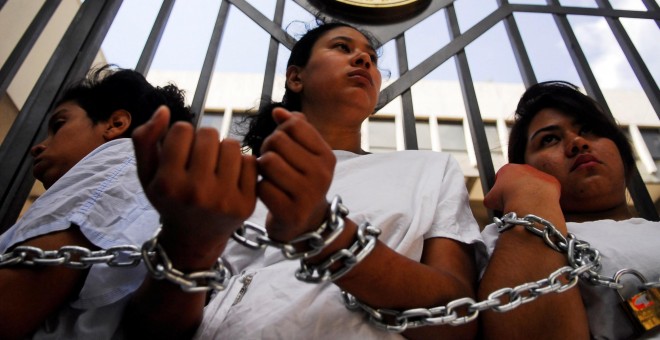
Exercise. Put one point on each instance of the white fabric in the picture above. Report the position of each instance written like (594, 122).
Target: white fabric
(102, 195)
(633, 243)
(411, 196)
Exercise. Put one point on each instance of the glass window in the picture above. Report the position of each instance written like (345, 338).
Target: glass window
(382, 135)
(652, 139)
(423, 129)
(492, 137)
(452, 136)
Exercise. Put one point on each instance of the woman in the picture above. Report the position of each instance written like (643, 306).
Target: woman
(569, 165)
(93, 201)
(423, 258)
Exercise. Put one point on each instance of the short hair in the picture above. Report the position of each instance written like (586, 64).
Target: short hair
(262, 124)
(566, 98)
(107, 89)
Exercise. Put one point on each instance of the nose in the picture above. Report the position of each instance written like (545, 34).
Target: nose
(577, 145)
(37, 149)
(362, 59)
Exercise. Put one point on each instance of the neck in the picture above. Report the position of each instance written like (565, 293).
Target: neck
(341, 129)
(617, 213)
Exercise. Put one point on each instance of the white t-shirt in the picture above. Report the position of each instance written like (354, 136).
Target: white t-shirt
(411, 196)
(103, 196)
(633, 243)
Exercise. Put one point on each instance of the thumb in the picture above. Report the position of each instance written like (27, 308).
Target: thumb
(146, 143)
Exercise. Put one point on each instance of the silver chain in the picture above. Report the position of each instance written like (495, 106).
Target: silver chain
(72, 257)
(584, 264)
(312, 242)
(160, 267)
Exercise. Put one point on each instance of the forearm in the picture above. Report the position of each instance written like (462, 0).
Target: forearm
(388, 280)
(521, 257)
(161, 308)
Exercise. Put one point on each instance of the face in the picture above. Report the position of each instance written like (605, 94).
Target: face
(71, 136)
(342, 69)
(589, 167)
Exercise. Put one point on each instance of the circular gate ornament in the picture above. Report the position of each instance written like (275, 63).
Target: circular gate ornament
(372, 11)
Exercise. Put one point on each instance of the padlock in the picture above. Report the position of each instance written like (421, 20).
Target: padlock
(644, 307)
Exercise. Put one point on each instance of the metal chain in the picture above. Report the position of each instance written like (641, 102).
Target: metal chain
(312, 242)
(73, 257)
(584, 263)
(160, 267)
(350, 257)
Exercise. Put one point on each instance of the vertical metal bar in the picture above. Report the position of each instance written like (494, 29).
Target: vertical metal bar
(652, 5)
(74, 50)
(2, 3)
(271, 62)
(409, 131)
(149, 51)
(519, 51)
(638, 66)
(202, 89)
(642, 199)
(25, 44)
(484, 160)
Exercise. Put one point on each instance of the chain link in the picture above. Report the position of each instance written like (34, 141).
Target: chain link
(72, 257)
(160, 267)
(363, 245)
(584, 264)
(311, 243)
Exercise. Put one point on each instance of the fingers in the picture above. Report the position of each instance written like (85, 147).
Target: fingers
(145, 141)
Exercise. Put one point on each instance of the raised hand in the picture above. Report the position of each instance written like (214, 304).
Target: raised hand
(520, 186)
(204, 189)
(297, 167)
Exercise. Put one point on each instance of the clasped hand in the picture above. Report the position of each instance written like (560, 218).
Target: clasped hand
(205, 188)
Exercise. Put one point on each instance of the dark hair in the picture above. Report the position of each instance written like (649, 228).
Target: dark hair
(262, 124)
(107, 89)
(564, 97)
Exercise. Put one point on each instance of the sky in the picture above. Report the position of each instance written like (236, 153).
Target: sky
(244, 45)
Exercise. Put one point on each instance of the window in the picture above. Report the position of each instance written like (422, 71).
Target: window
(452, 136)
(382, 135)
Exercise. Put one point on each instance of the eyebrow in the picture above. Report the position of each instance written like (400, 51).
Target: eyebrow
(351, 40)
(544, 129)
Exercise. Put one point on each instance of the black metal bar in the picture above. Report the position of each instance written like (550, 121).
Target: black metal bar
(642, 199)
(457, 44)
(149, 51)
(202, 89)
(484, 160)
(271, 62)
(638, 66)
(15, 175)
(25, 44)
(269, 26)
(599, 12)
(519, 51)
(651, 5)
(2, 3)
(409, 131)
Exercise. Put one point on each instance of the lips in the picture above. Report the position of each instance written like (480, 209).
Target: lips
(38, 167)
(584, 159)
(362, 73)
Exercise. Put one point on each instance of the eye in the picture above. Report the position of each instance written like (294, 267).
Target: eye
(586, 130)
(55, 125)
(374, 58)
(343, 46)
(548, 139)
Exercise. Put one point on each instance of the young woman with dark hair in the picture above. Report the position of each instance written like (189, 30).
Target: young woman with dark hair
(205, 190)
(569, 163)
(94, 200)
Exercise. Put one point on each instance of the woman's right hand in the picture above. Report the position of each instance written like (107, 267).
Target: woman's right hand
(204, 189)
(522, 188)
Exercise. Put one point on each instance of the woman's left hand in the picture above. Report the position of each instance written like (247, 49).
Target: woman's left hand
(297, 167)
